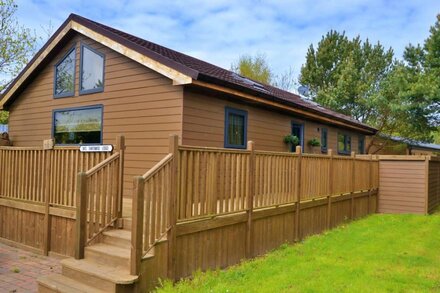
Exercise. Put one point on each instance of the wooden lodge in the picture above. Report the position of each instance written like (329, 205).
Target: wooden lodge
(199, 176)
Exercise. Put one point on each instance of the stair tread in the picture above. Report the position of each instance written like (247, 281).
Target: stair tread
(113, 274)
(119, 233)
(111, 250)
(60, 283)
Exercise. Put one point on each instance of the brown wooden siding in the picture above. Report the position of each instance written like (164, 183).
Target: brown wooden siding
(137, 102)
(434, 186)
(402, 187)
(204, 121)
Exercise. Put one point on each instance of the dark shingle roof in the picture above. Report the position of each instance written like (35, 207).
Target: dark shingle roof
(204, 71)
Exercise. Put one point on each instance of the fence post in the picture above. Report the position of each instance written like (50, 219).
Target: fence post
(46, 192)
(173, 149)
(298, 192)
(120, 147)
(370, 181)
(329, 197)
(137, 225)
(377, 194)
(81, 214)
(250, 199)
(353, 178)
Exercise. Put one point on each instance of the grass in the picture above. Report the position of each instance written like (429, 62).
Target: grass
(381, 253)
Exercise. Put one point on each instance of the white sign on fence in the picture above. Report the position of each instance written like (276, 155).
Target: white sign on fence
(96, 148)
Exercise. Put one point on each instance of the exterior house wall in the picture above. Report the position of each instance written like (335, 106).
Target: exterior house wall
(137, 102)
(204, 123)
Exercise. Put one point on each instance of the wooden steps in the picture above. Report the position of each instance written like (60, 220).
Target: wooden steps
(60, 283)
(105, 267)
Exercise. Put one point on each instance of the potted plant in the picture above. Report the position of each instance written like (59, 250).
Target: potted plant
(292, 141)
(314, 145)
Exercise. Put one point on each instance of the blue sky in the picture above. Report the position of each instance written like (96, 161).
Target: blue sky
(220, 31)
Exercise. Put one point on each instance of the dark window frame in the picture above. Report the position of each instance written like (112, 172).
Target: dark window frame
(229, 110)
(68, 94)
(294, 123)
(98, 106)
(361, 147)
(347, 137)
(324, 132)
(95, 90)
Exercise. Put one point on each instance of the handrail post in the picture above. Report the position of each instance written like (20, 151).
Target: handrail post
(250, 200)
(120, 146)
(329, 197)
(137, 225)
(173, 149)
(370, 181)
(298, 192)
(353, 178)
(81, 214)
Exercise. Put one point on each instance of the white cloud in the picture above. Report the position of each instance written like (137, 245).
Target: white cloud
(220, 31)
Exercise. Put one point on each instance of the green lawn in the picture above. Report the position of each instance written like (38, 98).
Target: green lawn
(381, 253)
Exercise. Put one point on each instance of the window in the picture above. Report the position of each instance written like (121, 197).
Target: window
(64, 84)
(298, 131)
(361, 144)
(92, 71)
(235, 128)
(344, 143)
(78, 126)
(324, 140)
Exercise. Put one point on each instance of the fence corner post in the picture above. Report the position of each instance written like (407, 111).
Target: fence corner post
(137, 225)
(120, 147)
(298, 152)
(173, 149)
(329, 197)
(250, 200)
(81, 214)
(353, 183)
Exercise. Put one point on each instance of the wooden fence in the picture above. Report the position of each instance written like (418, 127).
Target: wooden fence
(409, 184)
(38, 193)
(228, 205)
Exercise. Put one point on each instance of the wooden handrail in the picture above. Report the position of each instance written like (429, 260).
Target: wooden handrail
(157, 167)
(102, 164)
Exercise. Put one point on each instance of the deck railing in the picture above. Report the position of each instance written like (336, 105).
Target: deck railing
(99, 198)
(197, 185)
(154, 199)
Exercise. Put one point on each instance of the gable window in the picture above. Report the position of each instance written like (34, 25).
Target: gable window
(361, 144)
(324, 139)
(344, 143)
(78, 126)
(64, 84)
(92, 71)
(235, 128)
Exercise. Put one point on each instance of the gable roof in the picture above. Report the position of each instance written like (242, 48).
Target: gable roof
(179, 67)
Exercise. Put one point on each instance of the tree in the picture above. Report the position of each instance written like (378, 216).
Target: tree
(254, 67)
(364, 81)
(257, 68)
(17, 45)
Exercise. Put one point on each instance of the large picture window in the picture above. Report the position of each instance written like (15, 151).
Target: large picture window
(64, 84)
(235, 128)
(344, 143)
(92, 71)
(78, 126)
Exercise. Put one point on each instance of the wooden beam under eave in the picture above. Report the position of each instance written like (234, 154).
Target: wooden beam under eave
(177, 77)
(276, 105)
